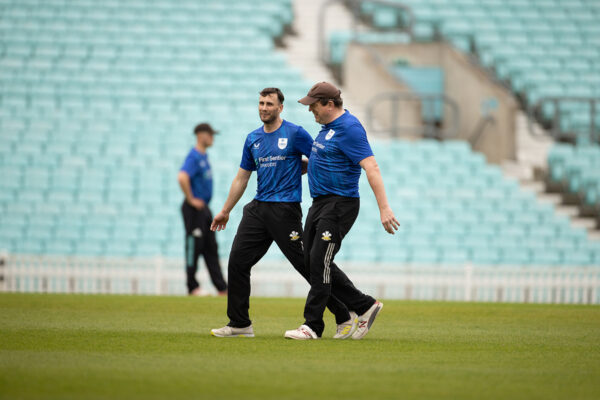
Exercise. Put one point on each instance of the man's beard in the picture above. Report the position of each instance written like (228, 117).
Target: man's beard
(268, 119)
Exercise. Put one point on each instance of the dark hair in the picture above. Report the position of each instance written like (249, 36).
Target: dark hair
(204, 127)
(270, 90)
(337, 102)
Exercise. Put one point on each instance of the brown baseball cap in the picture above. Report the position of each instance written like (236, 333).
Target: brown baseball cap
(321, 90)
(204, 127)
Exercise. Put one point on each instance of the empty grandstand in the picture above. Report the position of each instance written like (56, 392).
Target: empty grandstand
(98, 101)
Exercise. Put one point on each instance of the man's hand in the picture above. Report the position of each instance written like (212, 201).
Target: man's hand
(388, 220)
(304, 165)
(220, 221)
(197, 203)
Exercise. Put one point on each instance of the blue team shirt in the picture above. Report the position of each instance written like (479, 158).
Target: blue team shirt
(196, 165)
(276, 158)
(333, 165)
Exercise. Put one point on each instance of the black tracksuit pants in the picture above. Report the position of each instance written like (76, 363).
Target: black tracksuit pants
(200, 240)
(329, 220)
(262, 223)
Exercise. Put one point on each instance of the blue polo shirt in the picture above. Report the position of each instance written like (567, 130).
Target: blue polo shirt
(196, 165)
(276, 158)
(333, 167)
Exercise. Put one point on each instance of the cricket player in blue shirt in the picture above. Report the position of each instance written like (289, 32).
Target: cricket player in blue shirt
(195, 180)
(275, 152)
(338, 153)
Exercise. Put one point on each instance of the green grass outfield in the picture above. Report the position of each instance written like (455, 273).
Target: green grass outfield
(122, 347)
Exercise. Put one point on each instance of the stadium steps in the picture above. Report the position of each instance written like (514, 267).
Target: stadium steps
(538, 188)
(573, 174)
(532, 151)
(529, 169)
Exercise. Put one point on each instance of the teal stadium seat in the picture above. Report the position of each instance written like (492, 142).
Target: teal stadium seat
(576, 167)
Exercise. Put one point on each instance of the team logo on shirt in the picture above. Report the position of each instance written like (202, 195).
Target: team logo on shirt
(294, 236)
(256, 145)
(197, 232)
(282, 143)
(329, 134)
(326, 236)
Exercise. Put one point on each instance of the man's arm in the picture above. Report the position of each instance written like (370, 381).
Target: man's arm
(304, 165)
(238, 186)
(186, 188)
(388, 219)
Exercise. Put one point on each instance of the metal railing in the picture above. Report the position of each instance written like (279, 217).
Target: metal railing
(355, 7)
(429, 129)
(535, 112)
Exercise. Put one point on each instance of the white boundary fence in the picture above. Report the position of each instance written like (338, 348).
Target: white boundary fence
(160, 276)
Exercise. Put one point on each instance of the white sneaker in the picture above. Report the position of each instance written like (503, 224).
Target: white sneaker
(302, 333)
(346, 329)
(366, 320)
(228, 331)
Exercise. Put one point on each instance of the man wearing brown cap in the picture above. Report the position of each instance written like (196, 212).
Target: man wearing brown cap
(195, 180)
(338, 153)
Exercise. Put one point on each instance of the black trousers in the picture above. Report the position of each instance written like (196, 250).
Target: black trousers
(329, 220)
(200, 240)
(261, 224)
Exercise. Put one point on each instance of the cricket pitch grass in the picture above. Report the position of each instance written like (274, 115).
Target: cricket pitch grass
(128, 347)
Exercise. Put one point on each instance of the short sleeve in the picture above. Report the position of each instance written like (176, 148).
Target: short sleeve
(247, 160)
(190, 165)
(303, 142)
(354, 144)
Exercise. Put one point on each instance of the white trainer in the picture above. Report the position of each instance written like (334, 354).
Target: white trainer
(228, 331)
(302, 333)
(366, 320)
(346, 329)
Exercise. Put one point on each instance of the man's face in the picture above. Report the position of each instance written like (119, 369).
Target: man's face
(321, 112)
(269, 108)
(205, 138)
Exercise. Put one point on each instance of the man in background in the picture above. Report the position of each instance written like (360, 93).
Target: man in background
(195, 180)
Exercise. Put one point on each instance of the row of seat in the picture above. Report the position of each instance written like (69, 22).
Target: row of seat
(229, 12)
(508, 7)
(121, 90)
(136, 37)
(410, 254)
(18, 9)
(72, 53)
(579, 169)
